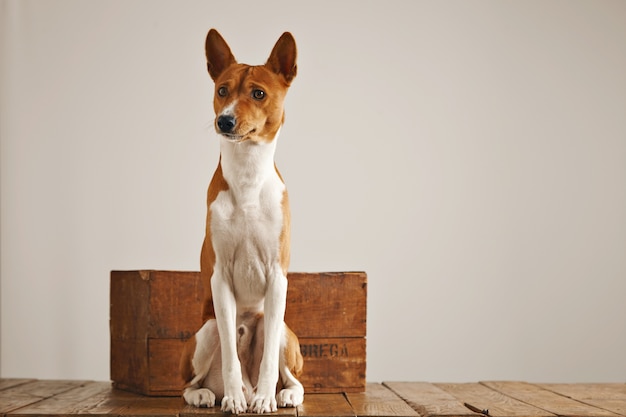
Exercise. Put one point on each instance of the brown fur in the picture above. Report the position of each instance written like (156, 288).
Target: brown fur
(207, 256)
(293, 356)
(186, 365)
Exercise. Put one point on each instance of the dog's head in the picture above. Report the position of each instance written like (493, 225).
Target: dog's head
(249, 99)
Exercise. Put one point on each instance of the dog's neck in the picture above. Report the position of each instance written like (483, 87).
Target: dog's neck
(247, 165)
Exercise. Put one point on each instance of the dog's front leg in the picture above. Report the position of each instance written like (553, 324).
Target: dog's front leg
(234, 400)
(264, 400)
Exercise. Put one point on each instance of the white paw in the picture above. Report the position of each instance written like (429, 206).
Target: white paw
(263, 403)
(290, 397)
(199, 397)
(234, 403)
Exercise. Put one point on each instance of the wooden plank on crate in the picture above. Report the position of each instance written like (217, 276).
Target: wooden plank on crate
(378, 400)
(129, 364)
(166, 376)
(129, 315)
(611, 397)
(335, 304)
(170, 315)
(481, 397)
(333, 364)
(23, 395)
(325, 405)
(173, 310)
(429, 400)
(547, 400)
(72, 402)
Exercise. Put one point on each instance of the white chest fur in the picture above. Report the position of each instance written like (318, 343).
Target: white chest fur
(247, 219)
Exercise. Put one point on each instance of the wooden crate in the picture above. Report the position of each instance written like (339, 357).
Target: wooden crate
(154, 312)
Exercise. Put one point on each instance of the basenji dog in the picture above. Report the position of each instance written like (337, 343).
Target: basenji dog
(244, 345)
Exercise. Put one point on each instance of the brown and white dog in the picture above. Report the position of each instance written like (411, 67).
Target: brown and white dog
(244, 345)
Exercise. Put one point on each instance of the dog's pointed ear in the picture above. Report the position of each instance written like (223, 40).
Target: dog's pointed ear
(218, 55)
(282, 60)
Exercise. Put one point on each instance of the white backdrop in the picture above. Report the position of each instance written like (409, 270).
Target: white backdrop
(470, 156)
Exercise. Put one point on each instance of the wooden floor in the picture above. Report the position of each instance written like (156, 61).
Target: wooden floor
(19, 397)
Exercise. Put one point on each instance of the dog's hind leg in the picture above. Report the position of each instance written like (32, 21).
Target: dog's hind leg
(201, 367)
(291, 362)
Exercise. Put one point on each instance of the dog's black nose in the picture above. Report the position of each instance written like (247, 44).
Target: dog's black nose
(226, 123)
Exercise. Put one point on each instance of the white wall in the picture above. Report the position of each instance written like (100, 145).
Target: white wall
(470, 156)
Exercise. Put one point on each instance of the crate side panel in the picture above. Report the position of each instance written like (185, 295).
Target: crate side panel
(333, 364)
(129, 365)
(330, 365)
(327, 304)
(164, 359)
(175, 304)
(129, 304)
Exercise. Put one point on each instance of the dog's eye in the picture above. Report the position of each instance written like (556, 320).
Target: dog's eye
(222, 91)
(258, 94)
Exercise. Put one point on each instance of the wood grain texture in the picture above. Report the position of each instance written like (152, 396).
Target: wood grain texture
(16, 396)
(152, 406)
(330, 365)
(167, 304)
(327, 304)
(429, 400)
(13, 382)
(333, 364)
(75, 401)
(164, 374)
(499, 405)
(392, 399)
(322, 405)
(611, 397)
(175, 304)
(547, 400)
(129, 365)
(378, 400)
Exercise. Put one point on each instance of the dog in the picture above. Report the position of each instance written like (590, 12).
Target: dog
(244, 345)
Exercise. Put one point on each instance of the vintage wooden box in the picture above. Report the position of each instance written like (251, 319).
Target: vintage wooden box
(154, 312)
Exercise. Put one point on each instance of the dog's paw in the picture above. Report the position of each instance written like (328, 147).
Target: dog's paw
(290, 397)
(234, 403)
(199, 397)
(263, 403)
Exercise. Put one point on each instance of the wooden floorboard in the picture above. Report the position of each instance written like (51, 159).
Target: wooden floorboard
(320, 405)
(27, 397)
(379, 401)
(547, 400)
(480, 397)
(429, 400)
(610, 397)
(19, 395)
